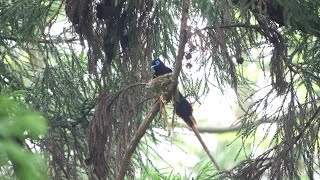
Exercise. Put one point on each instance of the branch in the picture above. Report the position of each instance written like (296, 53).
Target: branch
(46, 41)
(211, 129)
(183, 38)
(182, 43)
(55, 16)
(136, 139)
(239, 25)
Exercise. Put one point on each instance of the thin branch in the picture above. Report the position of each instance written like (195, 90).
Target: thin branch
(235, 25)
(211, 129)
(46, 41)
(55, 16)
(136, 139)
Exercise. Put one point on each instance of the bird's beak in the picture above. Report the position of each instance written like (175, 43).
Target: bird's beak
(153, 66)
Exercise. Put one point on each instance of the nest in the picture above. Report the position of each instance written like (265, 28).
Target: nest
(161, 85)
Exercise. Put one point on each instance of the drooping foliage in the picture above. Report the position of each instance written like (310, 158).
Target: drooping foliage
(88, 77)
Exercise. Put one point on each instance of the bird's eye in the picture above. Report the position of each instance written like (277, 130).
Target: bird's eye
(157, 62)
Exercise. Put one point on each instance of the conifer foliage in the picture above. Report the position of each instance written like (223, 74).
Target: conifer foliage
(89, 78)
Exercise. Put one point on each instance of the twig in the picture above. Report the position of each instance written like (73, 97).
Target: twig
(136, 139)
(211, 129)
(50, 22)
(45, 41)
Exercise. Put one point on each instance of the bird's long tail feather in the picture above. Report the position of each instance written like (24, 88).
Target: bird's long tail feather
(193, 120)
(196, 132)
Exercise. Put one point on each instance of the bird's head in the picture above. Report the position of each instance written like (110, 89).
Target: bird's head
(156, 63)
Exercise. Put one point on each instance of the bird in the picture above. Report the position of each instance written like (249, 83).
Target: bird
(159, 68)
(182, 106)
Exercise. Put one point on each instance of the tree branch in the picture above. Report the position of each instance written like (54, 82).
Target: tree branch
(45, 41)
(182, 43)
(183, 38)
(156, 106)
(136, 139)
(211, 129)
